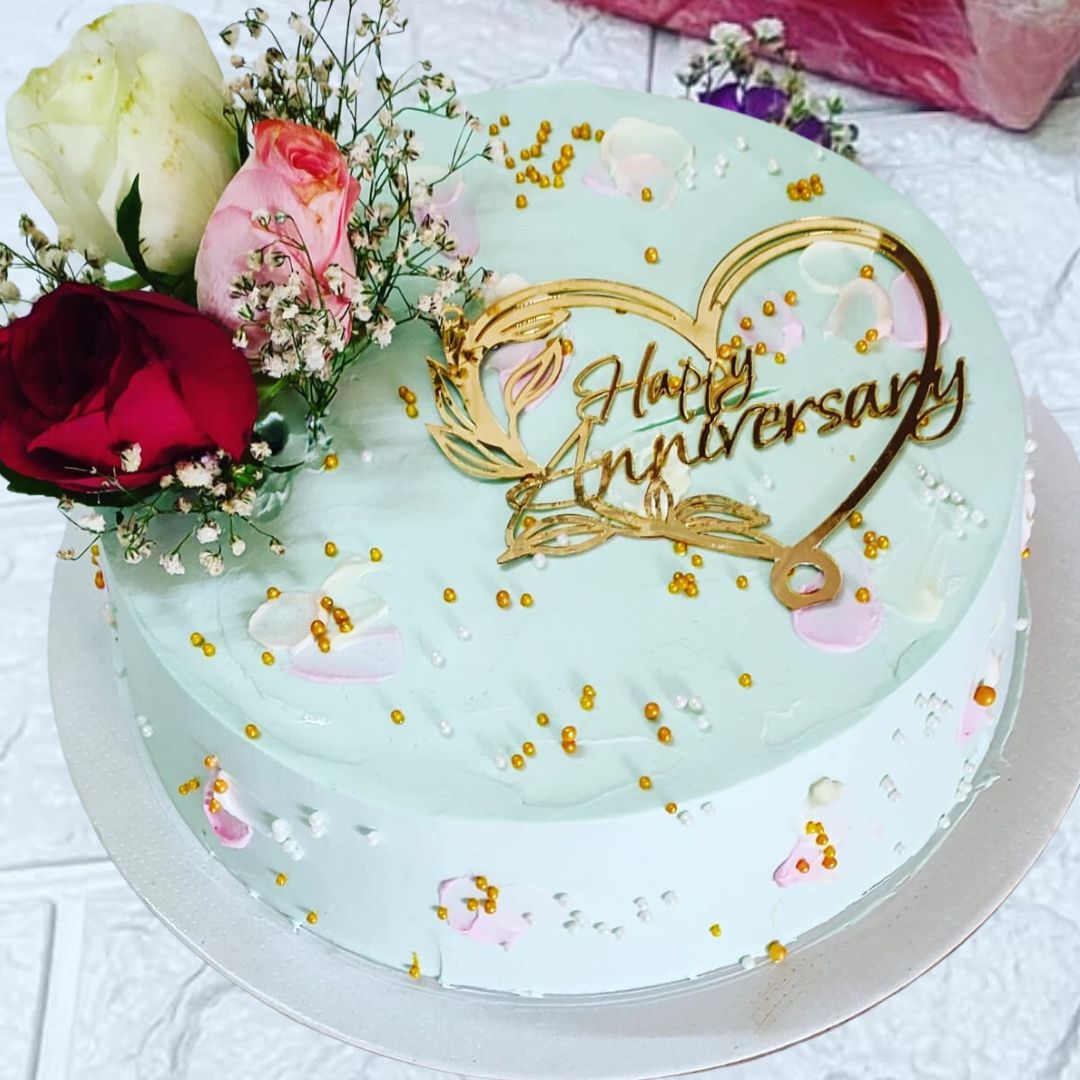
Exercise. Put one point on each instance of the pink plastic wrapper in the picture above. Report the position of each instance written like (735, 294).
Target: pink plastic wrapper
(997, 59)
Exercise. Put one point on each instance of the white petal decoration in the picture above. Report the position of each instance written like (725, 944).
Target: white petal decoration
(285, 623)
(829, 265)
(637, 154)
(500, 285)
(349, 574)
(861, 305)
(909, 319)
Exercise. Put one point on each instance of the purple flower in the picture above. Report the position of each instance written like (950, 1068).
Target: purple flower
(768, 103)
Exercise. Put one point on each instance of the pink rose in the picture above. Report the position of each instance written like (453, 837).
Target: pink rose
(295, 171)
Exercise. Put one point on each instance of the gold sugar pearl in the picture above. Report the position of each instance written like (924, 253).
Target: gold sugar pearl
(800, 427)
(779, 358)
(569, 746)
(600, 133)
(871, 334)
(543, 719)
(211, 761)
(318, 628)
(526, 600)
(861, 346)
(397, 716)
(760, 349)
(492, 892)
(340, 616)
(672, 808)
(330, 462)
(323, 643)
(272, 593)
(697, 560)
(645, 783)
(646, 195)
(542, 137)
(330, 549)
(587, 703)
(566, 346)
(869, 537)
(528, 749)
(281, 879)
(768, 308)
(490, 907)
(862, 594)
(588, 690)
(855, 519)
(403, 393)
(99, 580)
(375, 555)
(715, 930)
(822, 839)
(746, 323)
(213, 806)
(536, 150)
(742, 582)
(346, 627)
(776, 952)
(566, 150)
(95, 550)
(558, 182)
(412, 412)
(569, 733)
(829, 862)
(442, 913)
(312, 917)
(558, 166)
(510, 163)
(252, 731)
(791, 298)
(664, 735)
(746, 679)
(725, 351)
(519, 178)
(545, 181)
(517, 761)
(208, 648)
(802, 866)
(183, 789)
(793, 192)
(679, 547)
(221, 786)
(985, 695)
(1026, 553)
(504, 120)
(866, 271)
(652, 711)
(652, 256)
(521, 202)
(449, 595)
(691, 590)
(481, 881)
(525, 153)
(870, 551)
(197, 639)
(502, 598)
(472, 903)
(545, 126)
(493, 130)
(883, 542)
(736, 341)
(327, 603)
(829, 851)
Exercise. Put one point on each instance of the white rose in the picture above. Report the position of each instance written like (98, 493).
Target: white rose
(137, 93)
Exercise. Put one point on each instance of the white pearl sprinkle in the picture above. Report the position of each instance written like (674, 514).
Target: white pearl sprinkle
(958, 532)
(572, 927)
(920, 471)
(898, 737)
(721, 161)
(900, 850)
(946, 708)
(501, 761)
(894, 795)
(577, 916)
(446, 728)
(601, 928)
(293, 850)
(1029, 473)
(317, 823)
(618, 933)
(969, 770)
(464, 633)
(741, 143)
(929, 480)
(978, 517)
(963, 789)
(767, 482)
(562, 540)
(695, 704)
(562, 898)
(366, 457)
(1030, 446)
(944, 821)
(147, 731)
(279, 830)
(962, 513)
(669, 898)
(935, 701)
(685, 817)
(920, 701)
(887, 784)
(1022, 624)
(708, 809)
(437, 659)
(956, 498)
(704, 723)
(752, 500)
(773, 166)
(681, 701)
(645, 915)
(746, 962)
(928, 497)
(941, 493)
(539, 560)
(819, 153)
(373, 837)
(641, 902)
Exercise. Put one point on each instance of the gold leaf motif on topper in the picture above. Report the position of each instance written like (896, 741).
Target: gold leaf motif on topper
(576, 514)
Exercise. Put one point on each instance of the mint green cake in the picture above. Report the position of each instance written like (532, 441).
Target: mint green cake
(647, 619)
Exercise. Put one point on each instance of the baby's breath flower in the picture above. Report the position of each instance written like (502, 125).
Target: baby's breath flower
(131, 458)
(194, 474)
(172, 563)
(260, 450)
(237, 546)
(212, 563)
(92, 521)
(208, 532)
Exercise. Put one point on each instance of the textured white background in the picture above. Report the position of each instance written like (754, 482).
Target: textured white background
(93, 988)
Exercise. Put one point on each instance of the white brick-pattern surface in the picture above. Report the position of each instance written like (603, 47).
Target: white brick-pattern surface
(92, 987)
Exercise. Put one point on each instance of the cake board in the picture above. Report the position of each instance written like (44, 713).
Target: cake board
(730, 1016)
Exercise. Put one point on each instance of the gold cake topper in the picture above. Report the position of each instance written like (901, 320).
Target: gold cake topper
(482, 445)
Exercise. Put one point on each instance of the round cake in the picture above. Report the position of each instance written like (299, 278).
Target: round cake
(646, 618)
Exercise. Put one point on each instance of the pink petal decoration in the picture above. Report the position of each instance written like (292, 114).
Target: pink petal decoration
(360, 657)
(451, 202)
(909, 319)
(507, 359)
(637, 154)
(500, 928)
(806, 847)
(842, 625)
(974, 719)
(861, 305)
(229, 824)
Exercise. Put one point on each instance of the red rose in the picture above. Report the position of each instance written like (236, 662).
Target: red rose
(88, 373)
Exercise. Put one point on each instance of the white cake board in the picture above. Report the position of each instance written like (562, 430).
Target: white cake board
(670, 1030)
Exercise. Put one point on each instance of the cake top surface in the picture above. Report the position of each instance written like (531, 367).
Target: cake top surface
(545, 454)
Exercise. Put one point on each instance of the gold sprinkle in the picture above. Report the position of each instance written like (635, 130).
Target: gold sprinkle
(252, 731)
(855, 519)
(672, 808)
(652, 256)
(862, 594)
(679, 547)
(791, 298)
(883, 542)
(481, 881)
(742, 582)
(397, 716)
(442, 913)
(521, 202)
(780, 358)
(587, 703)
(472, 903)
(861, 346)
(510, 163)
(272, 593)
(866, 271)
(600, 134)
(569, 746)
(715, 930)
(327, 603)
(746, 323)
(330, 462)
(504, 120)
(323, 643)
(543, 719)
(412, 412)
(502, 598)
(449, 595)
(197, 639)
(528, 749)
(330, 549)
(208, 648)
(776, 952)
(646, 194)
(645, 783)
(213, 806)
(697, 560)
(664, 735)
(558, 182)
(281, 879)
(493, 129)
(211, 761)
(490, 907)
(526, 600)
(312, 917)
(1026, 553)
(221, 786)
(588, 690)
(569, 733)
(517, 761)
(746, 680)
(99, 580)
(871, 334)
(652, 711)
(768, 308)
(870, 551)
(318, 628)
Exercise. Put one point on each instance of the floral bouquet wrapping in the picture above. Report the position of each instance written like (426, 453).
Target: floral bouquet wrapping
(226, 251)
(997, 59)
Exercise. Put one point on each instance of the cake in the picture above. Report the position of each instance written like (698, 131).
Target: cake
(641, 623)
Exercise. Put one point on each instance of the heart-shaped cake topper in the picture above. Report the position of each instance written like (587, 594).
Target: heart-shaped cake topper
(581, 516)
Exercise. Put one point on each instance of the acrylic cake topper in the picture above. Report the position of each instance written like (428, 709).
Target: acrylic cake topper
(482, 445)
